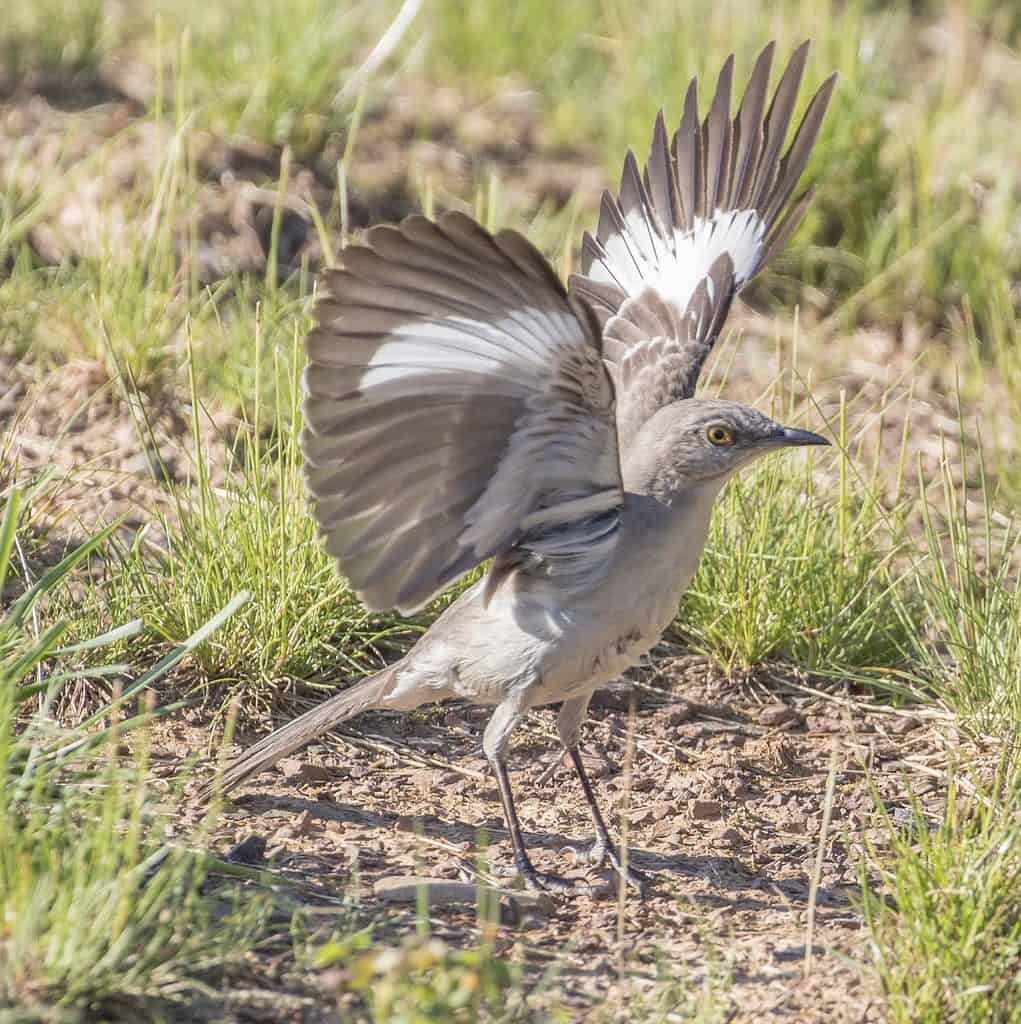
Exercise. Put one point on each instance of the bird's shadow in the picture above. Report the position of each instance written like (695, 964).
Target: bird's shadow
(733, 888)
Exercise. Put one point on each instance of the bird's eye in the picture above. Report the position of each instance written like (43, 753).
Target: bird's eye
(720, 435)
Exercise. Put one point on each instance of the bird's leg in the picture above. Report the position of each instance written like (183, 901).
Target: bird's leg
(603, 849)
(569, 726)
(494, 743)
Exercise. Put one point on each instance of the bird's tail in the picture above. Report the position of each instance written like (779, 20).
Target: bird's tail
(303, 730)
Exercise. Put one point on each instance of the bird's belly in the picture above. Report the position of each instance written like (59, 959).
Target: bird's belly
(599, 648)
(584, 641)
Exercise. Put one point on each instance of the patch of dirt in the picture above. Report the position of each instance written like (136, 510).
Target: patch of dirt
(725, 799)
(71, 422)
(419, 138)
(725, 802)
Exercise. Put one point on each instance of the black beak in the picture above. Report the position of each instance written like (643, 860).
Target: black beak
(789, 437)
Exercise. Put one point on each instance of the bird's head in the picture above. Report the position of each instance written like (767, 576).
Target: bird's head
(708, 440)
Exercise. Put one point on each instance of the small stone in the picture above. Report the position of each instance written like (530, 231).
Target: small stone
(663, 809)
(427, 780)
(289, 767)
(774, 715)
(331, 979)
(732, 837)
(251, 850)
(603, 884)
(904, 724)
(641, 816)
(706, 810)
(316, 773)
(299, 771)
(679, 715)
(824, 724)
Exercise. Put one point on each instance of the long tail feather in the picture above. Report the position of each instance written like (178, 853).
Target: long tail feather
(303, 730)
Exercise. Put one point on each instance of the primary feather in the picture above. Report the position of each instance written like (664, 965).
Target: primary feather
(718, 193)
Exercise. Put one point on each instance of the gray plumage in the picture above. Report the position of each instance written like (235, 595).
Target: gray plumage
(462, 405)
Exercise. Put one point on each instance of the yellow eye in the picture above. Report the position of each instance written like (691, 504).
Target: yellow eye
(720, 435)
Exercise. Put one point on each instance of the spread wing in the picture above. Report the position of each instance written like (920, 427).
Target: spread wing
(457, 408)
(719, 191)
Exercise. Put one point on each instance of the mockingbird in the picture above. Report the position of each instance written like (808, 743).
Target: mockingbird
(462, 405)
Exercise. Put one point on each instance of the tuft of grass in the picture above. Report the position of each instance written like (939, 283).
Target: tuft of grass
(56, 37)
(423, 979)
(793, 571)
(101, 918)
(280, 77)
(946, 922)
(969, 656)
(916, 164)
(240, 522)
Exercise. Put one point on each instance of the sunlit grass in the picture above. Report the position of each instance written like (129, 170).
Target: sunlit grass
(100, 916)
(945, 920)
(913, 233)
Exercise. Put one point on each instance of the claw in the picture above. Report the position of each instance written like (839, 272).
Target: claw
(635, 878)
(535, 881)
(599, 853)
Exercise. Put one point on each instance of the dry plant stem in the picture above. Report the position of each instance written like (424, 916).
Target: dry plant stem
(827, 813)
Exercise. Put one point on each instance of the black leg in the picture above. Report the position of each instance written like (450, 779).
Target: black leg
(603, 848)
(532, 879)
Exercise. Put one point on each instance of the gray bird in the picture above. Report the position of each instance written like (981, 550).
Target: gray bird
(462, 405)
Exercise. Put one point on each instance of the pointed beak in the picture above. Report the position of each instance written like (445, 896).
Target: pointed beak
(789, 437)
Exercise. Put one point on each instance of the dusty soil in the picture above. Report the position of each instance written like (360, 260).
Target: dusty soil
(725, 803)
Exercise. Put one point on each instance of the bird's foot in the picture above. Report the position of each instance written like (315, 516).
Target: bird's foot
(638, 880)
(600, 852)
(539, 881)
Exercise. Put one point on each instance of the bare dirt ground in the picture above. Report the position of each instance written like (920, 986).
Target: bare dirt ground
(725, 800)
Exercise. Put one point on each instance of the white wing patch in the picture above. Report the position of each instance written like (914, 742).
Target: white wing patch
(719, 193)
(675, 275)
(457, 409)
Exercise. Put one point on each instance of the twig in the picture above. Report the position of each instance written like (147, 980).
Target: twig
(386, 745)
(386, 44)
(827, 814)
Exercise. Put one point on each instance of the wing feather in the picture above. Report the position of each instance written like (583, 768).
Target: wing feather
(457, 407)
(722, 188)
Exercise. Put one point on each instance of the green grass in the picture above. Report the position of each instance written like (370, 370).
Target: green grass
(970, 655)
(251, 530)
(55, 36)
(280, 77)
(916, 165)
(102, 918)
(846, 565)
(945, 920)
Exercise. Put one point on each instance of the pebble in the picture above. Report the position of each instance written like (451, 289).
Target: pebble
(773, 715)
(706, 810)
